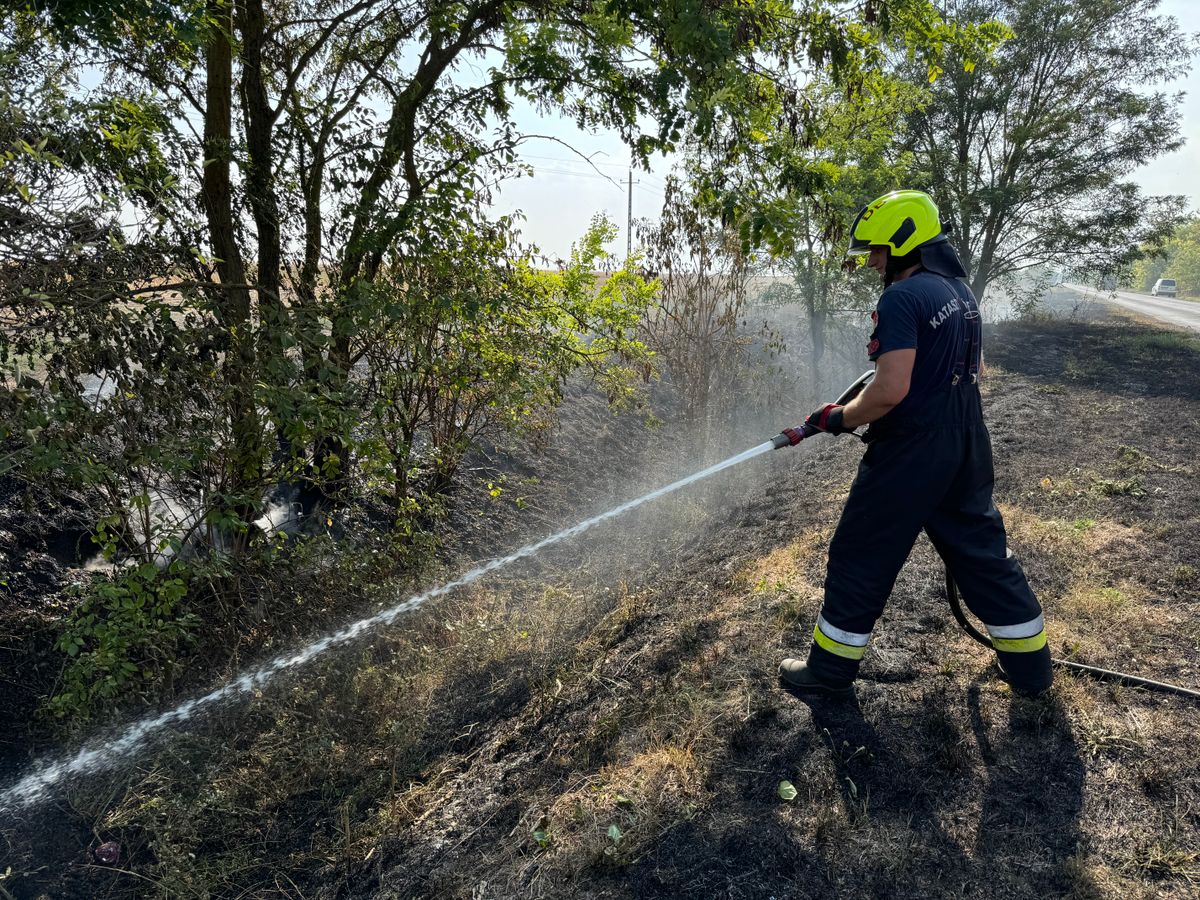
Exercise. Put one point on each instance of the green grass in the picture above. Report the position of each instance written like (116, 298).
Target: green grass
(1119, 487)
(1163, 341)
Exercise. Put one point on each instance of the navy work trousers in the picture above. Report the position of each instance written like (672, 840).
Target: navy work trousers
(932, 471)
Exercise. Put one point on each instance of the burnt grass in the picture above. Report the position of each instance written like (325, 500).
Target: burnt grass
(606, 722)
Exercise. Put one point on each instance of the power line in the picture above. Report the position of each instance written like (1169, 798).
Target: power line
(572, 174)
(629, 218)
(583, 161)
(651, 189)
(650, 177)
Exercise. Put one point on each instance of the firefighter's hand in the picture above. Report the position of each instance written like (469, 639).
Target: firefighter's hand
(827, 418)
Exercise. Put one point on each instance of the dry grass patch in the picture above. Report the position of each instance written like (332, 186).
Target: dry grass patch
(788, 564)
(365, 745)
(1089, 600)
(1078, 542)
(1167, 853)
(1095, 619)
(1163, 858)
(661, 746)
(1089, 878)
(1096, 612)
(1109, 735)
(612, 817)
(1092, 622)
(1184, 575)
(785, 576)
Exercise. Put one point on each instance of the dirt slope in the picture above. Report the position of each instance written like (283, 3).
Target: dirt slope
(606, 722)
(938, 782)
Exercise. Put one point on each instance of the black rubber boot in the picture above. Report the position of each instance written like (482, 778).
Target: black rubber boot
(795, 675)
(1029, 674)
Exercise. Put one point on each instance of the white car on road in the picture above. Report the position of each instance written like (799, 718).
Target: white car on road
(1164, 287)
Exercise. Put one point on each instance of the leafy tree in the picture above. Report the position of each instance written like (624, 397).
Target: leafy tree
(695, 327)
(108, 22)
(816, 145)
(857, 154)
(1178, 257)
(1028, 153)
(469, 337)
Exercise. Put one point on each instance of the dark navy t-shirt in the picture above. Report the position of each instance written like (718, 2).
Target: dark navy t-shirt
(934, 315)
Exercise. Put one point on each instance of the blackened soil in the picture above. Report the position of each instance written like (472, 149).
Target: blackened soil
(936, 781)
(651, 706)
(42, 534)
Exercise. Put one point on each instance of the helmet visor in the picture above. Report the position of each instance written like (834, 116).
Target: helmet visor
(858, 246)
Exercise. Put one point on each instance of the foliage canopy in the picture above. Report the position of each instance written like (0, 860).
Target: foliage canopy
(1029, 153)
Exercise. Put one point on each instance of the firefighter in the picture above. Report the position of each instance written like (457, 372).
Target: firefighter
(928, 463)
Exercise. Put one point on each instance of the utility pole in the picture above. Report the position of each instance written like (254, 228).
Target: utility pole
(629, 218)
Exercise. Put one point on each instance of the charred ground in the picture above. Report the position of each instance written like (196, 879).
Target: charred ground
(606, 722)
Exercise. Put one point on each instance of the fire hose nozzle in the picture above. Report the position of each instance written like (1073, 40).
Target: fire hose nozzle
(790, 437)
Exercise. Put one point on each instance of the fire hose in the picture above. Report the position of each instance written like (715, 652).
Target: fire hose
(1090, 671)
(792, 436)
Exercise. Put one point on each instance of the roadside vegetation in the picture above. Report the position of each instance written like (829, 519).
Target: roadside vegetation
(1177, 257)
(269, 360)
(607, 722)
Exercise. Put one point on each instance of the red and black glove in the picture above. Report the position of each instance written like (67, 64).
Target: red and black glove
(827, 418)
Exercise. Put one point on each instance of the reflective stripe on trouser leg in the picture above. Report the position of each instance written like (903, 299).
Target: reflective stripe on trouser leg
(836, 653)
(1022, 652)
(1026, 637)
(845, 644)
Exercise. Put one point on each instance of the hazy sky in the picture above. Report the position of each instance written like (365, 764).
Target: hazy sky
(565, 192)
(1179, 172)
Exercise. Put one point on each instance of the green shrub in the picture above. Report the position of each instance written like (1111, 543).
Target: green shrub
(122, 639)
(1120, 487)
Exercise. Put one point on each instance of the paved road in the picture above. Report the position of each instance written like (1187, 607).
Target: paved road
(1185, 313)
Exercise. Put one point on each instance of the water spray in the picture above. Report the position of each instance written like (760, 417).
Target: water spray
(102, 754)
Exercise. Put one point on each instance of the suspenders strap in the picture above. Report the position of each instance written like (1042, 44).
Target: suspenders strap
(969, 363)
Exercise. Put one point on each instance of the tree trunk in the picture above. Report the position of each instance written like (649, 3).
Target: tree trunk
(815, 303)
(234, 296)
(817, 316)
(307, 318)
(260, 190)
(982, 274)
